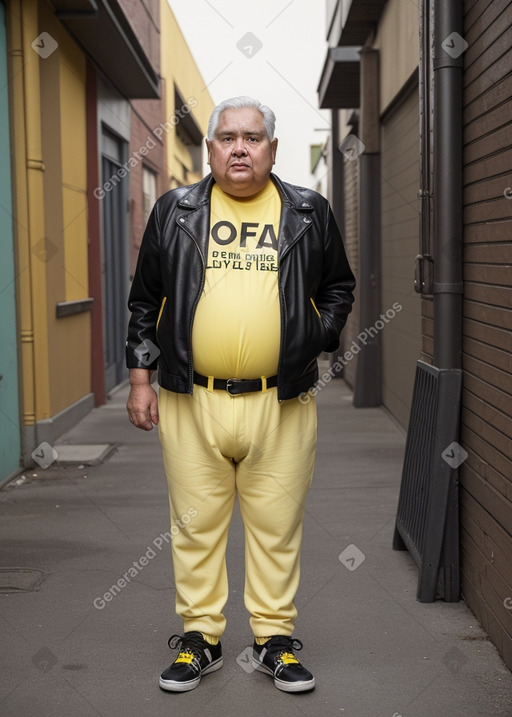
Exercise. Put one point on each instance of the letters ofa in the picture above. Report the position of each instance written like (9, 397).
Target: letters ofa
(267, 238)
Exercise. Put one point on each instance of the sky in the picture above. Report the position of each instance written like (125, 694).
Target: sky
(273, 50)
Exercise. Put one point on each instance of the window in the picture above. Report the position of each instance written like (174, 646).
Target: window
(148, 192)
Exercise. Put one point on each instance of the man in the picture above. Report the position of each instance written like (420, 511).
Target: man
(241, 281)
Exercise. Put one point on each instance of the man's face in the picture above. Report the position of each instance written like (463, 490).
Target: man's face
(241, 155)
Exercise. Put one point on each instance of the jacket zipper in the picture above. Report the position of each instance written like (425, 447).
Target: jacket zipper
(283, 330)
(315, 308)
(160, 312)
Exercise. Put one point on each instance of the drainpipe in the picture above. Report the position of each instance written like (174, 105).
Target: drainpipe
(448, 286)
(448, 228)
(29, 208)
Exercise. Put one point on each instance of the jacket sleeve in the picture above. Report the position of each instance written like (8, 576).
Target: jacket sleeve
(145, 299)
(334, 296)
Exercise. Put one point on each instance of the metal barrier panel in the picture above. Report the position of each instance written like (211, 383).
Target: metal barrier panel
(427, 515)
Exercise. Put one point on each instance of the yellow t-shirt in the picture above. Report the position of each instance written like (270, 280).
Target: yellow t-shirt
(237, 325)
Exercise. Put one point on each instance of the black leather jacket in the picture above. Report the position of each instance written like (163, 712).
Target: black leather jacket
(315, 286)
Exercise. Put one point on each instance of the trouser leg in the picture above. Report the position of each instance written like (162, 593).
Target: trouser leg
(196, 440)
(272, 482)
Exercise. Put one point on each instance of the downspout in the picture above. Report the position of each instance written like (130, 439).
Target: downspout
(36, 224)
(448, 288)
(29, 210)
(448, 285)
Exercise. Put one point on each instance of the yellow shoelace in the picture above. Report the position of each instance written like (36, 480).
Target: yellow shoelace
(288, 658)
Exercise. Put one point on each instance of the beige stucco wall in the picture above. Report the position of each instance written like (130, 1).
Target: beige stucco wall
(179, 68)
(397, 40)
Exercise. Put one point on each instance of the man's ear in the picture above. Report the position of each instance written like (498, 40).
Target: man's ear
(273, 144)
(208, 149)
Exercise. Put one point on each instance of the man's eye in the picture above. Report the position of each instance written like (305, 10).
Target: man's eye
(253, 139)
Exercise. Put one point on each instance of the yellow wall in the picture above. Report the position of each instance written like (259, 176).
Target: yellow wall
(70, 337)
(50, 168)
(398, 41)
(74, 167)
(178, 68)
(51, 184)
(19, 32)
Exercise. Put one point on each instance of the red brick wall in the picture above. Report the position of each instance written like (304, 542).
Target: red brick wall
(144, 17)
(146, 115)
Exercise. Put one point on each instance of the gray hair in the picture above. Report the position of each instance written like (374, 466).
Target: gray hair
(237, 103)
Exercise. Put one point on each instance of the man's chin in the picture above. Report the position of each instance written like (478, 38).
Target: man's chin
(240, 174)
(239, 185)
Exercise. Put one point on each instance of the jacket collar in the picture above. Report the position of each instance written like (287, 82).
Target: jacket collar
(294, 213)
(199, 194)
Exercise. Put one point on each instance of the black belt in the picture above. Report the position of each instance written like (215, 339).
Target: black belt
(236, 386)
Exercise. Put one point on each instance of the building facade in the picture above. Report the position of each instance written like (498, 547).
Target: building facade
(413, 90)
(83, 120)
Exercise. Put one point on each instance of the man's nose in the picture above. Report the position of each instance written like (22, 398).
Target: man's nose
(239, 147)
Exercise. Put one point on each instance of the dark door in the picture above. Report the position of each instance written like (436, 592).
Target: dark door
(115, 268)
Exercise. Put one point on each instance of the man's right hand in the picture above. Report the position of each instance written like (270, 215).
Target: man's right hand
(142, 404)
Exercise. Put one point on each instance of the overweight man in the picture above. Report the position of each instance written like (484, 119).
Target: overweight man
(241, 282)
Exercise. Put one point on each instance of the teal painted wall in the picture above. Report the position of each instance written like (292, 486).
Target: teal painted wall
(9, 398)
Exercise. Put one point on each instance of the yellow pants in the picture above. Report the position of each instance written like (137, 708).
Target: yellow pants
(216, 446)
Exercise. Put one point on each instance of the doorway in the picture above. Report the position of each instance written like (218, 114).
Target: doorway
(115, 256)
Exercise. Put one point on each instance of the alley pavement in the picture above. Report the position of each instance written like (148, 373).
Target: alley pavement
(74, 645)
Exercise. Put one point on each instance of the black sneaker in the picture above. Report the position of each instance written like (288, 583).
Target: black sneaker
(275, 657)
(196, 658)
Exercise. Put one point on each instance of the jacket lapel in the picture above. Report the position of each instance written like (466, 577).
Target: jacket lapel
(195, 215)
(295, 216)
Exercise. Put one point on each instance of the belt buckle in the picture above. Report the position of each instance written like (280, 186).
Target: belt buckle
(229, 384)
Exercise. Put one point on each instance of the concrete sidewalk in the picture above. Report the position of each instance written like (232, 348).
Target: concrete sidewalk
(375, 651)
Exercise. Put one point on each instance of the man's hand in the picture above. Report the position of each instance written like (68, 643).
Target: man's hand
(142, 404)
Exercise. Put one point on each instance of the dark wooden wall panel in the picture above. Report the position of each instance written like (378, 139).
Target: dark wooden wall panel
(486, 426)
(401, 337)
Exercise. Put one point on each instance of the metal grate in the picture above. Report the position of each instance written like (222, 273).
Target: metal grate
(427, 515)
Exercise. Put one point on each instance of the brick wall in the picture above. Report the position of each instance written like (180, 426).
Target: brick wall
(146, 115)
(486, 428)
(144, 17)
